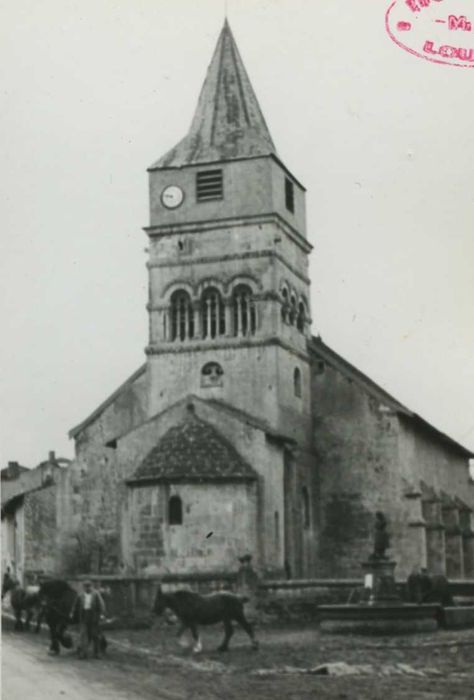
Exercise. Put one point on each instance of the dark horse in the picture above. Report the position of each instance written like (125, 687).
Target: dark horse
(58, 600)
(23, 600)
(193, 609)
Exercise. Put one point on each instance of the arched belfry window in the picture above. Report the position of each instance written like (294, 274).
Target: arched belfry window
(244, 312)
(301, 318)
(213, 313)
(293, 312)
(181, 316)
(305, 508)
(297, 382)
(175, 511)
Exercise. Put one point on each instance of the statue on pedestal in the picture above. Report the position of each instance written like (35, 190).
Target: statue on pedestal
(381, 538)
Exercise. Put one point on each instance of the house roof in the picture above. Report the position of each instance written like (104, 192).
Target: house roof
(228, 122)
(193, 450)
(12, 471)
(320, 349)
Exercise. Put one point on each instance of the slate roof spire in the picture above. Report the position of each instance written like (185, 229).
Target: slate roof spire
(228, 122)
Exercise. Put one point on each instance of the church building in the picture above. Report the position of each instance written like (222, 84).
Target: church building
(241, 433)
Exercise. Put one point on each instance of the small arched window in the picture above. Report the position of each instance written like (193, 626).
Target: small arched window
(305, 508)
(244, 313)
(181, 316)
(297, 382)
(301, 318)
(175, 511)
(285, 304)
(213, 314)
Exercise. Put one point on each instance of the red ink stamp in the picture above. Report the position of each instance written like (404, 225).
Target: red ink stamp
(440, 31)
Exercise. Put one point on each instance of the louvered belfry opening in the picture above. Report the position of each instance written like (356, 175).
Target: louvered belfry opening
(209, 185)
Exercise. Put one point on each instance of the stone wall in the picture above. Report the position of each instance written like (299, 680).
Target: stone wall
(371, 456)
(130, 598)
(123, 411)
(356, 460)
(95, 493)
(253, 187)
(218, 525)
(40, 532)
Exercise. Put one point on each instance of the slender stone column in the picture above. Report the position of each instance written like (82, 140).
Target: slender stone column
(238, 316)
(228, 317)
(207, 321)
(197, 320)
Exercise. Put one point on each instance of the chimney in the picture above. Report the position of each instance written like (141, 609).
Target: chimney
(13, 470)
(52, 456)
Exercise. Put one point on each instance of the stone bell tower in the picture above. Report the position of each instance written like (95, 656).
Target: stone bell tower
(228, 260)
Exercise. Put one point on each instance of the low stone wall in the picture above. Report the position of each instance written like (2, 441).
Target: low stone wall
(299, 598)
(130, 598)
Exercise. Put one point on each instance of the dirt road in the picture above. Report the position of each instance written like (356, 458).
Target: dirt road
(148, 665)
(28, 672)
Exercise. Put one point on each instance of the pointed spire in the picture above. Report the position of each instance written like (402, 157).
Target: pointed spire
(228, 122)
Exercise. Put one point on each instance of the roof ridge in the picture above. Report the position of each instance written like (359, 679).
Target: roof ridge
(317, 345)
(102, 406)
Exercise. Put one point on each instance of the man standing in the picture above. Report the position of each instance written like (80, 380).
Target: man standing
(90, 608)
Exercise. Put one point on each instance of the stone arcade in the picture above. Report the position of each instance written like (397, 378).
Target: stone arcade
(240, 423)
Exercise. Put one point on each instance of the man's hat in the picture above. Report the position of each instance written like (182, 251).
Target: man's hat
(87, 583)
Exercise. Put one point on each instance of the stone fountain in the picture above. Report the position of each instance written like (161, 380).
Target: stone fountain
(381, 611)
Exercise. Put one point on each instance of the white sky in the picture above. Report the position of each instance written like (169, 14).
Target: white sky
(94, 91)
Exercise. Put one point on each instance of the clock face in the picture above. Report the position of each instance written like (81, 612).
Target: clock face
(172, 196)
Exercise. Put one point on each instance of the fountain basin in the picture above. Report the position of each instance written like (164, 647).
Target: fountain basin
(378, 618)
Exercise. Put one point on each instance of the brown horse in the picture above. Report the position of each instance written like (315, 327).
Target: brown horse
(193, 609)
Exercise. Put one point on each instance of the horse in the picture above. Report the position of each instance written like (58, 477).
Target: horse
(429, 588)
(193, 609)
(58, 599)
(23, 600)
(27, 600)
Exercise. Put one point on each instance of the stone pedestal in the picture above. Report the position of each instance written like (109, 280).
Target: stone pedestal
(382, 572)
